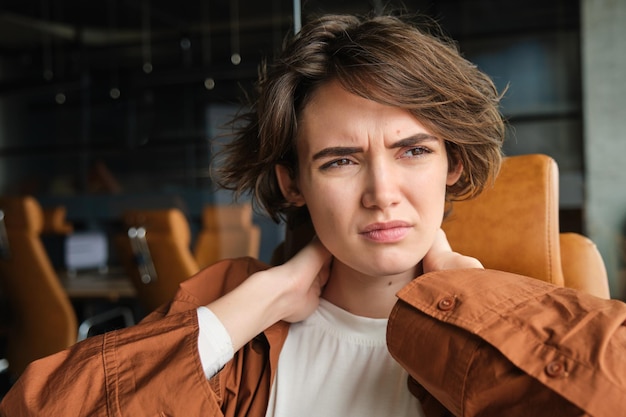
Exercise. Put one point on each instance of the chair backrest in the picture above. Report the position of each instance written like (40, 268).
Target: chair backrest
(42, 320)
(514, 225)
(227, 232)
(164, 247)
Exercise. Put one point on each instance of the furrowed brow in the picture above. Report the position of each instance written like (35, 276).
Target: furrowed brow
(414, 140)
(337, 151)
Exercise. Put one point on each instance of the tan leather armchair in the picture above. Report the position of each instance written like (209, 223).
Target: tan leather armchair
(514, 226)
(227, 232)
(155, 251)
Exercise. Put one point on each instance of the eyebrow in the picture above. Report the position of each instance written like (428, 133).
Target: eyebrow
(338, 151)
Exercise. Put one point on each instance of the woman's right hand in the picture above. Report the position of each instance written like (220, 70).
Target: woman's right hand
(289, 292)
(306, 274)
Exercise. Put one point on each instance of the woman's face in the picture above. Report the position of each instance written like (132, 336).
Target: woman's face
(373, 179)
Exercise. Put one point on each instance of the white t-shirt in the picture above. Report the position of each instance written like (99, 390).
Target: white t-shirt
(334, 363)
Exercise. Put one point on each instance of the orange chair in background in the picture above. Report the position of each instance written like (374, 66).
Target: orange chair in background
(55, 222)
(227, 232)
(155, 251)
(42, 319)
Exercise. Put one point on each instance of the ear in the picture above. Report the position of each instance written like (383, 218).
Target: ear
(288, 186)
(454, 174)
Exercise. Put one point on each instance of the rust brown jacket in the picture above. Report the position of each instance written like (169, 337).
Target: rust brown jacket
(475, 342)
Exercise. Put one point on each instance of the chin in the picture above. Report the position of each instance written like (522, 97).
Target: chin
(388, 261)
(389, 267)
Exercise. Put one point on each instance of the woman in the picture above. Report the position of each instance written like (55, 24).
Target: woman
(366, 128)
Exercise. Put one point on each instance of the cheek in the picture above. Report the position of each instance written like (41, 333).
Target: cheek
(328, 229)
(428, 193)
(326, 210)
(330, 209)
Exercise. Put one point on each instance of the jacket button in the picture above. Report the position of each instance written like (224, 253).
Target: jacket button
(446, 303)
(556, 369)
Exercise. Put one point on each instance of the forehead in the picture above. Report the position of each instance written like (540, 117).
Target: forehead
(334, 115)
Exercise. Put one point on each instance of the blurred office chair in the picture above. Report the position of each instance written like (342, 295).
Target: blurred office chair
(55, 222)
(227, 232)
(512, 226)
(42, 319)
(54, 234)
(155, 251)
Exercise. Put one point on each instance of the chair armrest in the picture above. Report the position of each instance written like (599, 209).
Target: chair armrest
(583, 266)
(124, 312)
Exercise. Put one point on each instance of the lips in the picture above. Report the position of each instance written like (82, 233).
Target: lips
(387, 232)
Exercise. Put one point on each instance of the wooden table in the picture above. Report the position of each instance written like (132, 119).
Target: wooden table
(111, 285)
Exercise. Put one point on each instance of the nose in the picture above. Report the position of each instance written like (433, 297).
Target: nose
(382, 188)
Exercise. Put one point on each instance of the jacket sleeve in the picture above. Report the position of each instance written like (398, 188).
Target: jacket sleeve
(491, 343)
(151, 369)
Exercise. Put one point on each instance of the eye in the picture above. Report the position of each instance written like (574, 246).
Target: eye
(416, 151)
(337, 163)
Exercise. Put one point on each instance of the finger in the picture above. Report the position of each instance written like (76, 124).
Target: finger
(472, 263)
(324, 273)
(439, 247)
(441, 243)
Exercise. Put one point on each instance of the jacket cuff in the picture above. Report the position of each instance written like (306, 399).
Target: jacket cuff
(481, 340)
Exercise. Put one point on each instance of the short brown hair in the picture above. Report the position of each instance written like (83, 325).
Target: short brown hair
(382, 58)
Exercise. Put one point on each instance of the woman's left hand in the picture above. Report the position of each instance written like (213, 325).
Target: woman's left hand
(441, 256)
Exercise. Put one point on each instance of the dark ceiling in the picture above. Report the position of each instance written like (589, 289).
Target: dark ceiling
(54, 39)
(43, 41)
(132, 82)
(25, 23)
(31, 23)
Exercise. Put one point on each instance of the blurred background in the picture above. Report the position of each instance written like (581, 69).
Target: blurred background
(113, 104)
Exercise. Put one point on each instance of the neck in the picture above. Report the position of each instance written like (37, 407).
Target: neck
(364, 295)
